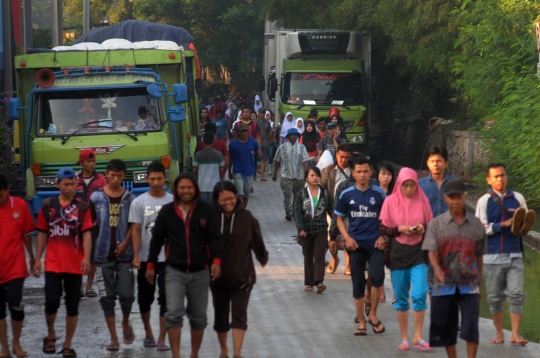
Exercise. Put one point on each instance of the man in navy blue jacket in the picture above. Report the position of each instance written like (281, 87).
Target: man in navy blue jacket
(504, 215)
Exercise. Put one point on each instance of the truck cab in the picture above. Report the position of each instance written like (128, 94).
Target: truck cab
(121, 103)
(311, 69)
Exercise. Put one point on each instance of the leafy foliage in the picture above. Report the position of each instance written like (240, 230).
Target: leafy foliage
(6, 154)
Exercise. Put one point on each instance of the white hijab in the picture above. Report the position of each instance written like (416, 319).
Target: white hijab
(268, 116)
(286, 125)
(258, 103)
(301, 129)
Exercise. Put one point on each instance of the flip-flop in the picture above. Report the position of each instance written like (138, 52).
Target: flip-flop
(423, 346)
(377, 325)
(404, 346)
(528, 222)
(91, 293)
(496, 341)
(129, 338)
(321, 288)
(517, 220)
(367, 308)
(308, 288)
(264, 179)
(163, 348)
(68, 352)
(347, 272)
(360, 332)
(149, 343)
(521, 342)
(112, 347)
(5, 355)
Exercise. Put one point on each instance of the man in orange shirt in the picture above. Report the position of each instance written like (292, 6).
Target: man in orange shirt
(16, 224)
(62, 222)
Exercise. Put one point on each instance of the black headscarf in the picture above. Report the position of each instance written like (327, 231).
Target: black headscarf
(310, 138)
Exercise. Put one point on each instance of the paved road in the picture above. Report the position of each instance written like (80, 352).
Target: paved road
(284, 321)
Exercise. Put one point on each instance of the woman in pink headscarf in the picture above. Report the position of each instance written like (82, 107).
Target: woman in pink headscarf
(404, 218)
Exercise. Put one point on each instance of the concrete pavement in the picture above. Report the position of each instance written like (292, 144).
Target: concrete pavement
(284, 321)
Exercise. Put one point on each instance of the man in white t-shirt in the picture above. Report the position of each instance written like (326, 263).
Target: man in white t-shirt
(142, 215)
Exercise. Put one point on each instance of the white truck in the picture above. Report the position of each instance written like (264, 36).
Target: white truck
(322, 70)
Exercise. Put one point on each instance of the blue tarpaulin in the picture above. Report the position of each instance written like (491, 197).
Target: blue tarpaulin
(134, 30)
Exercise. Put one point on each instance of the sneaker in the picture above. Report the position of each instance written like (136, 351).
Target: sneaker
(528, 222)
(517, 222)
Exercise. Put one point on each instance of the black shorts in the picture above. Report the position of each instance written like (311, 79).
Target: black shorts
(443, 330)
(358, 260)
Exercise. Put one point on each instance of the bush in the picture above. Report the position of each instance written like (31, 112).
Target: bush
(6, 153)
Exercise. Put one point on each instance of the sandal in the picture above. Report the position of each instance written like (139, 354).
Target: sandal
(367, 308)
(383, 298)
(112, 347)
(149, 343)
(163, 348)
(129, 338)
(356, 320)
(68, 352)
(404, 346)
(91, 293)
(5, 355)
(321, 287)
(347, 272)
(47, 347)
(264, 179)
(360, 332)
(377, 325)
(308, 288)
(423, 346)
(332, 269)
(521, 341)
(20, 354)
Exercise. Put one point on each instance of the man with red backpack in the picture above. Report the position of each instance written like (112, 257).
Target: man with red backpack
(88, 181)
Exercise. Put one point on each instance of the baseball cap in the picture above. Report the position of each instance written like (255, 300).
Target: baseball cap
(244, 127)
(262, 109)
(331, 125)
(85, 155)
(454, 186)
(142, 109)
(65, 173)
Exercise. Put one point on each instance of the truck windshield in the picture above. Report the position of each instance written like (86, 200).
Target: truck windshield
(125, 109)
(323, 88)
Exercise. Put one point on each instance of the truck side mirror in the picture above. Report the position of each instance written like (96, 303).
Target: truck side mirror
(176, 114)
(261, 85)
(180, 94)
(153, 90)
(273, 85)
(15, 108)
(198, 85)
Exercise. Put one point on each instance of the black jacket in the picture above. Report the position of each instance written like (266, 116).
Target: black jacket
(241, 235)
(192, 243)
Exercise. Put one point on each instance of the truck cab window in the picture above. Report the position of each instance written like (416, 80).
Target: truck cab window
(103, 112)
(323, 88)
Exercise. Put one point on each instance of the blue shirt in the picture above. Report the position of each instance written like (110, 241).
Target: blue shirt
(243, 156)
(222, 125)
(363, 209)
(434, 194)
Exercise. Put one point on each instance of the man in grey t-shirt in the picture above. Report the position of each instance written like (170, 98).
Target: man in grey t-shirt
(208, 163)
(142, 215)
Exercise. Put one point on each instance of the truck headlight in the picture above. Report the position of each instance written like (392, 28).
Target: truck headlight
(356, 139)
(139, 177)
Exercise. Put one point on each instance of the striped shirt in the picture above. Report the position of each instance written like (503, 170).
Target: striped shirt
(292, 158)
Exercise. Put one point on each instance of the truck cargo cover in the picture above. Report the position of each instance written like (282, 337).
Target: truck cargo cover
(134, 30)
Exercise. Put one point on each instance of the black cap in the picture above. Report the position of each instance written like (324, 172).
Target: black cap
(142, 109)
(454, 186)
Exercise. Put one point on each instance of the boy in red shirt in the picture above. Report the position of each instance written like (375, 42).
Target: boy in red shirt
(16, 224)
(88, 181)
(62, 222)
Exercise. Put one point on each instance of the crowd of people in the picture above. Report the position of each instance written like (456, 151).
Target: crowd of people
(200, 238)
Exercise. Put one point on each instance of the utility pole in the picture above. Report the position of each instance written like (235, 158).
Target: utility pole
(8, 46)
(86, 16)
(57, 32)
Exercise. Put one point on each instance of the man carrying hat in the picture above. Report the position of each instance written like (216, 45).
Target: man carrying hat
(88, 181)
(293, 158)
(456, 241)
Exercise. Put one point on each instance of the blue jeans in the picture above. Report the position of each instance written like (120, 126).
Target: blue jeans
(206, 196)
(402, 280)
(243, 184)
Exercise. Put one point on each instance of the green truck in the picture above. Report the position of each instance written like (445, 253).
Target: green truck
(322, 70)
(135, 101)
